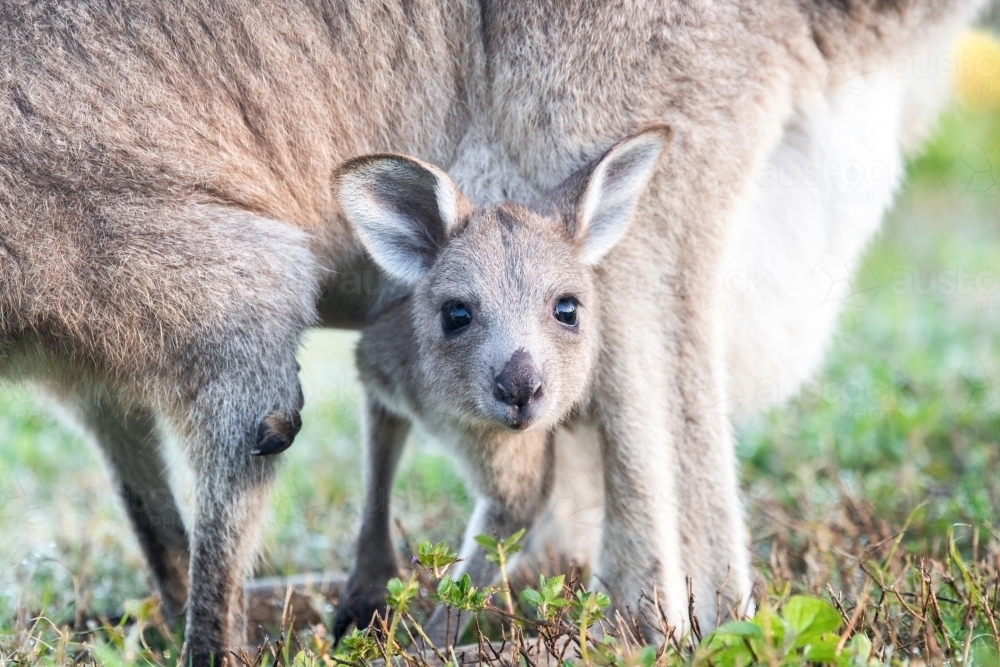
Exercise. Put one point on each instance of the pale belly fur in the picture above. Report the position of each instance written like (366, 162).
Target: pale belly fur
(800, 227)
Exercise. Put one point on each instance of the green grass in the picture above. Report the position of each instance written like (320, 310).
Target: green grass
(55, 505)
(905, 415)
(907, 408)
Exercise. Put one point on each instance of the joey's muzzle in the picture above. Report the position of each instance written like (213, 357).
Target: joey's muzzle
(519, 386)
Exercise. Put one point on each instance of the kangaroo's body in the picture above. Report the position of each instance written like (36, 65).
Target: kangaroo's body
(167, 222)
(494, 346)
(167, 225)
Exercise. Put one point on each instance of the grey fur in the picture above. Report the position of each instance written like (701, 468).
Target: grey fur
(130, 441)
(510, 266)
(167, 220)
(165, 208)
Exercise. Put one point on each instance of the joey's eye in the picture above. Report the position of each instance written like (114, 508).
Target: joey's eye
(566, 310)
(455, 316)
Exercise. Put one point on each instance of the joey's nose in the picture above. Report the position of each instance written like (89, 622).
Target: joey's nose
(518, 382)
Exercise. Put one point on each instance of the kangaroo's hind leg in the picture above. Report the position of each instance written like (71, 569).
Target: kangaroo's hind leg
(375, 561)
(131, 444)
(233, 293)
(244, 408)
(194, 311)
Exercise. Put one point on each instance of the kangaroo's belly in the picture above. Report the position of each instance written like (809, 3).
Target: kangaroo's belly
(801, 229)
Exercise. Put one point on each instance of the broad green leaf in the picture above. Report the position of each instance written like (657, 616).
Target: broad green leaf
(359, 647)
(552, 587)
(394, 586)
(823, 650)
(531, 597)
(486, 542)
(511, 542)
(740, 629)
(772, 626)
(436, 557)
(646, 656)
(733, 653)
(808, 618)
(856, 652)
(401, 594)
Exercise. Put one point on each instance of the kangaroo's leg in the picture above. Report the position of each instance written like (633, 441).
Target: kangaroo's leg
(129, 439)
(375, 559)
(231, 418)
(672, 503)
(232, 483)
(232, 491)
(194, 311)
(230, 388)
(672, 507)
(517, 492)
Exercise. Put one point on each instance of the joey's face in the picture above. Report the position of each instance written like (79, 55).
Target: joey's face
(503, 299)
(505, 322)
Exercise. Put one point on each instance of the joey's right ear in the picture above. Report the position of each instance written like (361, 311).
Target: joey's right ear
(598, 200)
(402, 209)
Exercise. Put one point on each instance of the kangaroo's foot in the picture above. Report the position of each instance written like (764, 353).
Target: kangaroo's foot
(362, 599)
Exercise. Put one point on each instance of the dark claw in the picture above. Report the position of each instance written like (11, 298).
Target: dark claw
(276, 433)
(272, 444)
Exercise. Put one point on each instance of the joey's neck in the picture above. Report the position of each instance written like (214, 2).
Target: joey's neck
(509, 466)
(499, 444)
(387, 357)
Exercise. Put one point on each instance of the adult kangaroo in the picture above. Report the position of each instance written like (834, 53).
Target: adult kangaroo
(794, 87)
(167, 224)
(168, 228)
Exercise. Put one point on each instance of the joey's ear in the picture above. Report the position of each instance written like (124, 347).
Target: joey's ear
(402, 209)
(607, 190)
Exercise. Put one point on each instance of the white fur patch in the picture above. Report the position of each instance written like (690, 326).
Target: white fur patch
(809, 214)
(400, 243)
(387, 235)
(447, 201)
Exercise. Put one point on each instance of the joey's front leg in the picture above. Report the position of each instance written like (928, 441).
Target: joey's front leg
(375, 559)
(518, 487)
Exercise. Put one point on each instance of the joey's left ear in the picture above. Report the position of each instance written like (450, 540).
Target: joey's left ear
(403, 210)
(605, 193)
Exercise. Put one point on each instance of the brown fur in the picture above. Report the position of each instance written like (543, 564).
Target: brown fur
(510, 269)
(566, 77)
(167, 218)
(148, 152)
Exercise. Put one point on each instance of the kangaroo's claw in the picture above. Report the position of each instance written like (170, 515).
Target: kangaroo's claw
(276, 433)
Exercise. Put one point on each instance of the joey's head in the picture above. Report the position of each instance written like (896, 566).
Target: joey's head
(503, 300)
